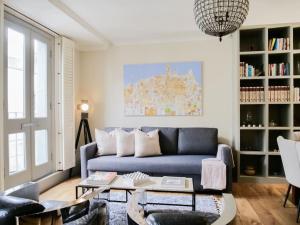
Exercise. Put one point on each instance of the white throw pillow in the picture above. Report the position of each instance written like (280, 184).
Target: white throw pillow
(125, 143)
(146, 144)
(106, 142)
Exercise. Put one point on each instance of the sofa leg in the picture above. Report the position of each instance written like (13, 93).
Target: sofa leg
(298, 211)
(287, 195)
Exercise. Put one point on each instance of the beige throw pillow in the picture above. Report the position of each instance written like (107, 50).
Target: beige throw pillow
(146, 144)
(106, 142)
(125, 143)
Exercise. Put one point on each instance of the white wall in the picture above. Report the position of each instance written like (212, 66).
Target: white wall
(101, 82)
(1, 97)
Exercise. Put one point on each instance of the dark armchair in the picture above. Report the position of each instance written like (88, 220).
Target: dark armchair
(19, 206)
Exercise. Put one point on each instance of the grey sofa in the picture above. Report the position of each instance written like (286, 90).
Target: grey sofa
(183, 150)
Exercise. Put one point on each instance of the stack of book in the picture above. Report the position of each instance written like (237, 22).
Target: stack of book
(279, 69)
(279, 44)
(279, 94)
(296, 94)
(252, 94)
(101, 178)
(247, 70)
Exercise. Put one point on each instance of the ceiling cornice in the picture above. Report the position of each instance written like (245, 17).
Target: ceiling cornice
(69, 12)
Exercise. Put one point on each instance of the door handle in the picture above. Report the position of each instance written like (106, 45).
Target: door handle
(25, 125)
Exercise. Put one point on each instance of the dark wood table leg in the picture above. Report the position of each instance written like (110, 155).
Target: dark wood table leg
(194, 201)
(295, 195)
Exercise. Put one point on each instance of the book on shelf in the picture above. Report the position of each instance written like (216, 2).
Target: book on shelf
(247, 70)
(173, 182)
(279, 94)
(101, 178)
(296, 94)
(279, 69)
(279, 44)
(252, 94)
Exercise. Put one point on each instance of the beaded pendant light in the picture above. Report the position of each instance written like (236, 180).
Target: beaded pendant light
(220, 17)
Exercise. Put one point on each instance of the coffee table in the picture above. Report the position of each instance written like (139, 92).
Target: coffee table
(153, 185)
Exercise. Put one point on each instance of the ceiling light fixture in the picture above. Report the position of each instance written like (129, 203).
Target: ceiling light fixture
(220, 17)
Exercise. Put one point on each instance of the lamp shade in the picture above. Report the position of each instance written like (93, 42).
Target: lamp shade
(84, 106)
(220, 17)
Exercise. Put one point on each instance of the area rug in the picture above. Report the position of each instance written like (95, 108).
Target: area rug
(204, 203)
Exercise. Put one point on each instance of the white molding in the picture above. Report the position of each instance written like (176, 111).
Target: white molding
(69, 12)
(28, 20)
(1, 97)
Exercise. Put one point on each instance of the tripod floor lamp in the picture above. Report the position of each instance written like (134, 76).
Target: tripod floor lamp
(84, 124)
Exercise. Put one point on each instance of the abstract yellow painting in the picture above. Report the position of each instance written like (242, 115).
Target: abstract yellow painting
(163, 89)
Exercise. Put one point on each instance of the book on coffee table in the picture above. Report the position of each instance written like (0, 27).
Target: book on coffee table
(101, 178)
(173, 182)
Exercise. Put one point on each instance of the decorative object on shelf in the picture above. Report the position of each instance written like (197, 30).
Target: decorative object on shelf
(249, 118)
(163, 89)
(136, 178)
(296, 136)
(220, 17)
(250, 170)
(272, 123)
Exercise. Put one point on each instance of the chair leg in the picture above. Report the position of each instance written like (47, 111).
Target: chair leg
(287, 195)
(298, 211)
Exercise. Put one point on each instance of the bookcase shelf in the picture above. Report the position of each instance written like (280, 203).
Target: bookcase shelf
(252, 40)
(275, 168)
(296, 40)
(278, 116)
(256, 161)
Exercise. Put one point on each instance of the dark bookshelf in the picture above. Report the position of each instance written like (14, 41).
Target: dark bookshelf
(255, 161)
(273, 134)
(296, 39)
(252, 40)
(252, 115)
(296, 115)
(252, 140)
(275, 166)
(297, 64)
(279, 115)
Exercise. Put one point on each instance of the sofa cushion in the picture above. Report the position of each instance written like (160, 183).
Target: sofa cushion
(167, 164)
(197, 141)
(127, 129)
(168, 139)
(10, 207)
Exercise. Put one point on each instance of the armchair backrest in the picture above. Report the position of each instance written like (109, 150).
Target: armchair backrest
(28, 190)
(290, 160)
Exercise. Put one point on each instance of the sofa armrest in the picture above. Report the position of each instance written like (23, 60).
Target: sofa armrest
(87, 152)
(225, 154)
(28, 190)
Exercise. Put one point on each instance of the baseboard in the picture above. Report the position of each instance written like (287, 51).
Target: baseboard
(53, 179)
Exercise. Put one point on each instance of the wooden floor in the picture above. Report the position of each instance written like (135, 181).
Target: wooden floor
(256, 203)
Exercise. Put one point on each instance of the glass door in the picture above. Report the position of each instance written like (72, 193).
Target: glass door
(27, 69)
(40, 113)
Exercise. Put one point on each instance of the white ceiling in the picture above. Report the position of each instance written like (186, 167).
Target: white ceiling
(95, 23)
